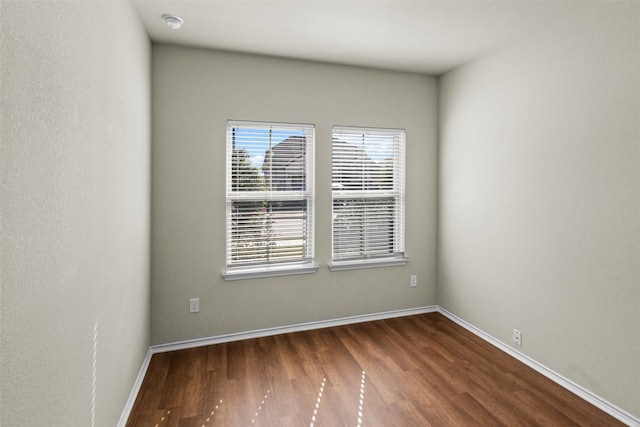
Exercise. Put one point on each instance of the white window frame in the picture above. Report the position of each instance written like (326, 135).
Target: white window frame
(346, 253)
(252, 266)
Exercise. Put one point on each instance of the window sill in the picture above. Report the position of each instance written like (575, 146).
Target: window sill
(271, 271)
(351, 265)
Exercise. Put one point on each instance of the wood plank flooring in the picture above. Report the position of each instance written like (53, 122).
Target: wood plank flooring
(422, 370)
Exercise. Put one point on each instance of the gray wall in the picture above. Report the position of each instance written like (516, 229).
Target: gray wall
(195, 92)
(540, 198)
(75, 117)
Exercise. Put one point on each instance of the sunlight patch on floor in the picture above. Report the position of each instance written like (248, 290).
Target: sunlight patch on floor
(361, 400)
(318, 400)
(255, 416)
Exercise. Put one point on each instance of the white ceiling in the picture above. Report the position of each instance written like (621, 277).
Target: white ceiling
(425, 36)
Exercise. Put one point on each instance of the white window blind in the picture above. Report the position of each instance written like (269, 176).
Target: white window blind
(269, 197)
(368, 194)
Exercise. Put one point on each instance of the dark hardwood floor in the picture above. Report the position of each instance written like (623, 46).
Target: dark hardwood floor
(422, 370)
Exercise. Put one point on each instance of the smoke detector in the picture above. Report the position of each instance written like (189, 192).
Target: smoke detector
(172, 21)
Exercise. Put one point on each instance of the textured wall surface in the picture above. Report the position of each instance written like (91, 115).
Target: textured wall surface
(540, 198)
(75, 184)
(195, 92)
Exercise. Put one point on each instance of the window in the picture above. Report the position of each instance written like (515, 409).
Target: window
(368, 197)
(269, 199)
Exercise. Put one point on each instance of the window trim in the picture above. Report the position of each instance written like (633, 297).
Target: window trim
(271, 269)
(370, 263)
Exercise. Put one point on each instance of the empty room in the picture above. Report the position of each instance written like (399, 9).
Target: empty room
(319, 213)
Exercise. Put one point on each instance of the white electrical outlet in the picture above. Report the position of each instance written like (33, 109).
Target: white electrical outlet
(413, 281)
(517, 337)
(194, 305)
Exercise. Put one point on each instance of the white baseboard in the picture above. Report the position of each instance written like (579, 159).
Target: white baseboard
(585, 394)
(135, 390)
(259, 333)
(574, 388)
